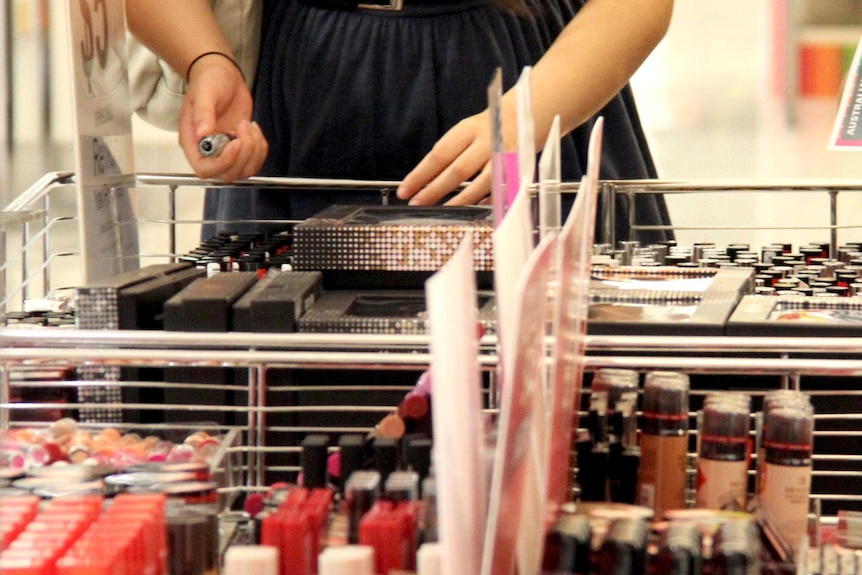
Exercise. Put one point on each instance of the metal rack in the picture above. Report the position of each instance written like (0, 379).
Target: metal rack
(829, 368)
(632, 188)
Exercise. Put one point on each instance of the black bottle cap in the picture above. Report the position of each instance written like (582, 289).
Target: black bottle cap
(314, 456)
(417, 455)
(352, 449)
(385, 456)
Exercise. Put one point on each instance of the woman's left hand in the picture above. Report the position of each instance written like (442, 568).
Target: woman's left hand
(462, 153)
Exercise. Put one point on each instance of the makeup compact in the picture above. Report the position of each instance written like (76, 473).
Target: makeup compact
(664, 300)
(822, 314)
(384, 246)
(400, 312)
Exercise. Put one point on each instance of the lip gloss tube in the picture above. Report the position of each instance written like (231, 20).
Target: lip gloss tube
(662, 477)
(361, 493)
(620, 385)
(568, 545)
(625, 460)
(593, 451)
(735, 549)
(679, 552)
(723, 452)
(623, 551)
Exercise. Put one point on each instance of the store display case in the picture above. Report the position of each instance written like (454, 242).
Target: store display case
(828, 367)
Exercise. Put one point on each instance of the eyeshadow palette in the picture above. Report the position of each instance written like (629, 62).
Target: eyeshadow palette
(380, 312)
(797, 316)
(390, 246)
(664, 300)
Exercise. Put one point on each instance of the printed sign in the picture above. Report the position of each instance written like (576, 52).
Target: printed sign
(847, 130)
(103, 127)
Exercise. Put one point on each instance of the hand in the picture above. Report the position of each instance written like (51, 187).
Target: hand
(463, 152)
(218, 101)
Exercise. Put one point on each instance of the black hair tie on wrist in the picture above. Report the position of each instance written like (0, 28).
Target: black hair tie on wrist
(213, 53)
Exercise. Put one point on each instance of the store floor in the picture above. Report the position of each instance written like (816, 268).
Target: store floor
(709, 107)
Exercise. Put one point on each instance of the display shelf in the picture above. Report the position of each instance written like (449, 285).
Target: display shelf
(829, 368)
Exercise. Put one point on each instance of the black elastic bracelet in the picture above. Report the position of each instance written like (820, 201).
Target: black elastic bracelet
(213, 53)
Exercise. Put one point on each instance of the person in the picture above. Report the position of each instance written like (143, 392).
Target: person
(347, 91)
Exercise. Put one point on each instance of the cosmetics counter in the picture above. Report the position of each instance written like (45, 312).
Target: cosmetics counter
(279, 394)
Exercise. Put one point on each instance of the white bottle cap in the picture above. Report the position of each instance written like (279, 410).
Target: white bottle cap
(428, 559)
(245, 559)
(346, 560)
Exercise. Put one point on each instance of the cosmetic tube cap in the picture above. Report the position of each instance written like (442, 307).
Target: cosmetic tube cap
(352, 455)
(428, 559)
(789, 426)
(665, 403)
(314, 459)
(615, 382)
(347, 560)
(257, 559)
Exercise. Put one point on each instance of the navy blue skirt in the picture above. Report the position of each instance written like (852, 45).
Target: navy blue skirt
(365, 94)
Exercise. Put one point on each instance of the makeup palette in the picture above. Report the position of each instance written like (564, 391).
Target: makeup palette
(665, 300)
(384, 246)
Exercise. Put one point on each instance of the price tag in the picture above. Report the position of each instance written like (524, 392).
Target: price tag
(103, 128)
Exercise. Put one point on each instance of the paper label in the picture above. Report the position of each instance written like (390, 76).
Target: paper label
(721, 484)
(103, 124)
(784, 497)
(847, 130)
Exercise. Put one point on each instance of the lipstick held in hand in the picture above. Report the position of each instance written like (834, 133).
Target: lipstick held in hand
(211, 146)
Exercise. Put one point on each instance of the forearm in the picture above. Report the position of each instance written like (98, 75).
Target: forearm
(177, 30)
(594, 58)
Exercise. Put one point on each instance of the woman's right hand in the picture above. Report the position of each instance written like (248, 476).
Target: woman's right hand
(218, 101)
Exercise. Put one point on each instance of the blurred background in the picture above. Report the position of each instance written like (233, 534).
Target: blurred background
(738, 90)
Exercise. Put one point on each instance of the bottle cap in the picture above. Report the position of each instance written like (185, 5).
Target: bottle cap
(344, 559)
(428, 559)
(257, 559)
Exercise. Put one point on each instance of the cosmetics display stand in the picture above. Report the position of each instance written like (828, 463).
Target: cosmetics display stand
(38, 268)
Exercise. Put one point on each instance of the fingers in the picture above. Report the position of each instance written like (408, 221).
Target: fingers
(240, 159)
(249, 151)
(200, 116)
(476, 191)
(461, 154)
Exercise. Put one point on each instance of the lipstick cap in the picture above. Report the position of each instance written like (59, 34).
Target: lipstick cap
(257, 559)
(428, 559)
(344, 559)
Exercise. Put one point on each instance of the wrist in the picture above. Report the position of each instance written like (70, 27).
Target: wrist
(212, 55)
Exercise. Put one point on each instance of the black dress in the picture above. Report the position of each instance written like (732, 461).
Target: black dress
(364, 94)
